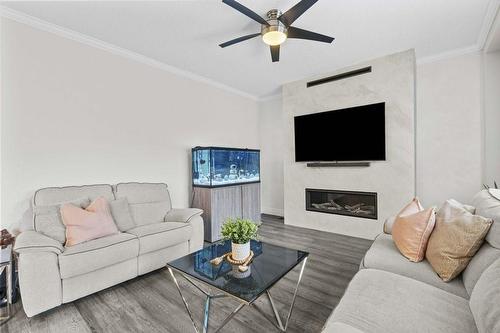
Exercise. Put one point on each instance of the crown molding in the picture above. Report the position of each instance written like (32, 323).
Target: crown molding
(488, 21)
(267, 98)
(37, 23)
(449, 54)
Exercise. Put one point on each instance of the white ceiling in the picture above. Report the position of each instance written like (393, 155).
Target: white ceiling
(186, 34)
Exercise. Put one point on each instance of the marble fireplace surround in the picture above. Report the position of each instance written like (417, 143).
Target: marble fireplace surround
(392, 81)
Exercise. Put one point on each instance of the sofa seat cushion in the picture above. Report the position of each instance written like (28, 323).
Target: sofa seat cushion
(379, 301)
(158, 236)
(384, 255)
(98, 253)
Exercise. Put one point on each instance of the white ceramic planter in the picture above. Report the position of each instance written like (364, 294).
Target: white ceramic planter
(240, 251)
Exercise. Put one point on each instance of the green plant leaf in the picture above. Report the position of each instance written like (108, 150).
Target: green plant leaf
(239, 230)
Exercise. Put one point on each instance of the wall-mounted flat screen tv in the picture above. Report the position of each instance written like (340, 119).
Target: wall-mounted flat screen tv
(352, 134)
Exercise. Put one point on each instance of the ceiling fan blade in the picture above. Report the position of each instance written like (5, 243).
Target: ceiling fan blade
(293, 13)
(246, 11)
(239, 39)
(275, 53)
(306, 34)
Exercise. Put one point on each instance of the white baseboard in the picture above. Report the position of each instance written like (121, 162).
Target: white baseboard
(273, 211)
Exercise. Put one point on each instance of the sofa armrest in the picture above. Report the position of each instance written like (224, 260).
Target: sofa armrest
(39, 276)
(32, 241)
(182, 214)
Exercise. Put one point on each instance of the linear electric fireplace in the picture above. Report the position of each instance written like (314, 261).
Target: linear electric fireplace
(351, 203)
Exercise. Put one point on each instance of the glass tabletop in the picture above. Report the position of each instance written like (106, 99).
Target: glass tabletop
(269, 265)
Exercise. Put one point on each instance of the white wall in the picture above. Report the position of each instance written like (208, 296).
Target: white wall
(491, 118)
(449, 133)
(272, 142)
(392, 81)
(73, 114)
(448, 129)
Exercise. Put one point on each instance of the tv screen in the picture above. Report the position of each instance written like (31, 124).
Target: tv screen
(352, 134)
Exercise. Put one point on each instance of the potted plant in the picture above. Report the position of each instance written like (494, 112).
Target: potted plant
(240, 232)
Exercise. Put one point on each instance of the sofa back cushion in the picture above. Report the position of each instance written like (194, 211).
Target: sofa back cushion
(47, 202)
(120, 210)
(485, 300)
(55, 195)
(486, 255)
(487, 206)
(149, 202)
(48, 221)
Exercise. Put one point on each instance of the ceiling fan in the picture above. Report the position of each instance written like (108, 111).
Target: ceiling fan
(277, 27)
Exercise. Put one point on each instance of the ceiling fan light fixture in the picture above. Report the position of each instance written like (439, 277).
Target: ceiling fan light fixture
(275, 33)
(277, 27)
(274, 38)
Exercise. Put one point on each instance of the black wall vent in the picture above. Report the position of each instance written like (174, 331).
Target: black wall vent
(340, 76)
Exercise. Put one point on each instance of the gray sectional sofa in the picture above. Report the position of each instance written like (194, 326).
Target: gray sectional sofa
(50, 274)
(392, 294)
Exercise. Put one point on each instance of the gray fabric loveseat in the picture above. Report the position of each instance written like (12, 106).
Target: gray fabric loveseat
(50, 274)
(392, 294)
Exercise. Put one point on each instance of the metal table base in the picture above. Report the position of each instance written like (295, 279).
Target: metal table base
(209, 297)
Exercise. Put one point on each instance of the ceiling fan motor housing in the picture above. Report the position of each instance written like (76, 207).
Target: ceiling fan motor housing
(274, 23)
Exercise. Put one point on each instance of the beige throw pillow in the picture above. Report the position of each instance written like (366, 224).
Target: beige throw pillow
(456, 238)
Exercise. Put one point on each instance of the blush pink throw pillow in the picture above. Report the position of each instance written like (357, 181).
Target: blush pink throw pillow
(412, 228)
(93, 222)
(411, 233)
(412, 207)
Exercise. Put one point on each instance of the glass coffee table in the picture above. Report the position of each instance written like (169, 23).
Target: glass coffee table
(269, 264)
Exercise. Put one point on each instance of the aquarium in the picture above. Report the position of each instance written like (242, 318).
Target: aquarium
(216, 166)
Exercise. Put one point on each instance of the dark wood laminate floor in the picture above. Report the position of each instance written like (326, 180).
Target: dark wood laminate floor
(151, 303)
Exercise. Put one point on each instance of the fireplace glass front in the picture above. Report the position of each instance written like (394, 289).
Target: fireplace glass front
(351, 203)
